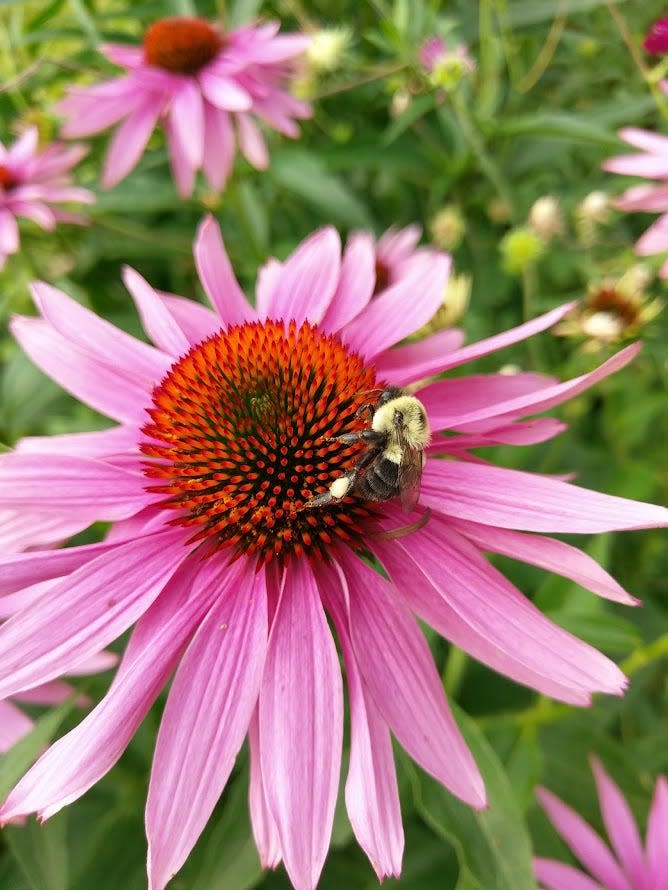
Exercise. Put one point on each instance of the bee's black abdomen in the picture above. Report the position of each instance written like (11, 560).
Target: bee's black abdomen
(381, 482)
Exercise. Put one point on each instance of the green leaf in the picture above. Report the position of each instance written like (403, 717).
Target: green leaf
(613, 635)
(493, 845)
(417, 108)
(304, 175)
(559, 125)
(41, 852)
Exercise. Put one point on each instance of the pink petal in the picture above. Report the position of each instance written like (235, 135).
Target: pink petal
(555, 556)
(514, 499)
(182, 170)
(372, 794)
(196, 321)
(399, 672)
(99, 337)
(528, 432)
(406, 364)
(301, 727)
(224, 92)
(558, 876)
(356, 282)
(583, 841)
(655, 239)
(251, 142)
(105, 388)
(264, 827)
(500, 341)
(308, 279)
(13, 725)
(97, 444)
(652, 142)
(186, 118)
(652, 166)
(219, 146)
(23, 529)
(33, 210)
(94, 109)
(205, 722)
(86, 610)
(652, 198)
(9, 232)
(217, 277)
(157, 321)
(23, 569)
(67, 484)
(453, 588)
(400, 309)
(619, 824)
(52, 693)
(129, 141)
(657, 837)
(25, 146)
(123, 55)
(79, 759)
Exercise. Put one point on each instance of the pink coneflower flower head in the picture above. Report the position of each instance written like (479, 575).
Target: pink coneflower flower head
(243, 521)
(32, 182)
(656, 39)
(623, 866)
(15, 723)
(204, 86)
(652, 162)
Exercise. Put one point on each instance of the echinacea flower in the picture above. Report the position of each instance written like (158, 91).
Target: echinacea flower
(652, 162)
(15, 723)
(32, 182)
(627, 866)
(445, 66)
(205, 86)
(227, 432)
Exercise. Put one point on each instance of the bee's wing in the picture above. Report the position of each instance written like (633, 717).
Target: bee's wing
(410, 474)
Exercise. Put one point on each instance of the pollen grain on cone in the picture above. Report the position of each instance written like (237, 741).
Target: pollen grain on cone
(181, 44)
(242, 435)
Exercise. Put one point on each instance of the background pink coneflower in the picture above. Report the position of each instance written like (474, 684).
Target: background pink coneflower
(627, 866)
(205, 86)
(31, 182)
(226, 429)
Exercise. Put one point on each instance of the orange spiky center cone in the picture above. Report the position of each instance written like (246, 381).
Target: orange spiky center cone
(242, 437)
(182, 45)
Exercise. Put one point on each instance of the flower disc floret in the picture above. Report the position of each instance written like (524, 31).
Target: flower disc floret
(243, 436)
(181, 44)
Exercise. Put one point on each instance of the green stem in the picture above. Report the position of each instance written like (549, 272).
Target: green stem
(454, 670)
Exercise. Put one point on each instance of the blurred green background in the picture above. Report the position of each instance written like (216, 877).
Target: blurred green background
(553, 82)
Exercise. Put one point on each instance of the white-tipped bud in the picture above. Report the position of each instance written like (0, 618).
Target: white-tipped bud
(327, 48)
(594, 207)
(545, 217)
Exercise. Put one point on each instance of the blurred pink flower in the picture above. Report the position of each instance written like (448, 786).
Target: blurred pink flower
(14, 724)
(656, 39)
(652, 162)
(205, 86)
(445, 66)
(31, 182)
(226, 430)
(624, 867)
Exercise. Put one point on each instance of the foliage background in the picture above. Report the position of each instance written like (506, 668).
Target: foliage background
(554, 80)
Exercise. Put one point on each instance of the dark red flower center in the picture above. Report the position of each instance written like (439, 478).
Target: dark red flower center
(382, 277)
(180, 44)
(242, 437)
(7, 178)
(609, 299)
(656, 41)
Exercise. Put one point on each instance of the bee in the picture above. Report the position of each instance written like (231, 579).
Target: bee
(392, 464)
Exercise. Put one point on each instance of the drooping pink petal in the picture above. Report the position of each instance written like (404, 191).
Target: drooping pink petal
(215, 272)
(31, 209)
(657, 837)
(9, 232)
(79, 759)
(204, 723)
(398, 670)
(655, 239)
(182, 170)
(308, 280)
(219, 146)
(51, 693)
(400, 309)
(652, 198)
(652, 166)
(251, 142)
(224, 92)
(528, 432)
(129, 141)
(356, 282)
(456, 591)
(619, 825)
(514, 499)
(589, 848)
(654, 143)
(558, 876)
(97, 444)
(264, 827)
(86, 610)
(548, 553)
(25, 146)
(301, 727)
(23, 569)
(372, 794)
(187, 121)
(23, 529)
(157, 321)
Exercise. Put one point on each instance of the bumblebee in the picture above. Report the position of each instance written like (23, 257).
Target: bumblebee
(392, 464)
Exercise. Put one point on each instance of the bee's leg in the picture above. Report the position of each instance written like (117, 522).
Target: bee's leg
(370, 436)
(343, 484)
(367, 408)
